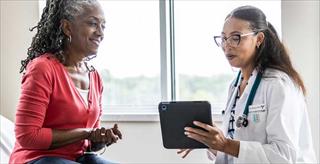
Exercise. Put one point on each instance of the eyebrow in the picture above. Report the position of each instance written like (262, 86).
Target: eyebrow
(98, 19)
(233, 32)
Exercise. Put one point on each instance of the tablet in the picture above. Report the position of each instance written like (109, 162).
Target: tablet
(175, 116)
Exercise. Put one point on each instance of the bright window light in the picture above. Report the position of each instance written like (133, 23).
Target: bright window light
(129, 57)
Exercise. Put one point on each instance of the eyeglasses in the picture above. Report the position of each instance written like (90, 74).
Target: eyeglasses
(233, 40)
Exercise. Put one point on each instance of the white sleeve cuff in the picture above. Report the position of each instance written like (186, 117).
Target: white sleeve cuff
(211, 155)
(251, 152)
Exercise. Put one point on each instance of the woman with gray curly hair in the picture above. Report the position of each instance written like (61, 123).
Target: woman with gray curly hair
(58, 114)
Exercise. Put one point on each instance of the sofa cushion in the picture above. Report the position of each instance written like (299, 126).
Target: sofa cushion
(7, 139)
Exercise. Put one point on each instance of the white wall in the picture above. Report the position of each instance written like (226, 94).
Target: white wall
(142, 140)
(142, 143)
(300, 29)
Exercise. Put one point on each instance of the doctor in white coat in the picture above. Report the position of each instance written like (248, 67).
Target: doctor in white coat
(266, 118)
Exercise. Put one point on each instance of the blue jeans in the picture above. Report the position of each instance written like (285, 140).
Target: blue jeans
(84, 159)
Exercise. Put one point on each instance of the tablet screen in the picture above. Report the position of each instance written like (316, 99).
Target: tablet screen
(176, 115)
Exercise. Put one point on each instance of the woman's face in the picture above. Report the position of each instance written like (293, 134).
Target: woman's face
(239, 55)
(87, 31)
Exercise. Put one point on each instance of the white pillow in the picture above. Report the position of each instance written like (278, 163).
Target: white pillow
(7, 139)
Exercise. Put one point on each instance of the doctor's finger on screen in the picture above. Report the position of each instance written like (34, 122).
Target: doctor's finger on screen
(212, 136)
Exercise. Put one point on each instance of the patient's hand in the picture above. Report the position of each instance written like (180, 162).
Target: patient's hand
(116, 131)
(105, 136)
(184, 152)
(96, 146)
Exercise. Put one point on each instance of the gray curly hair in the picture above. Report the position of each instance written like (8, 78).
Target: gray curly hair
(50, 37)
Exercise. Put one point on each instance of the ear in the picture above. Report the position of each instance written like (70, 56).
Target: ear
(260, 39)
(66, 27)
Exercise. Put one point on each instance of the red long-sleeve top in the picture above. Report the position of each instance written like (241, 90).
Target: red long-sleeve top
(49, 100)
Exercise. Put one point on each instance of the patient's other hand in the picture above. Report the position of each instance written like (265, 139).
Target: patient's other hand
(106, 136)
(116, 131)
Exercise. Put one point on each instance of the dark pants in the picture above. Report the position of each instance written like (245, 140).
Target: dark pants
(84, 159)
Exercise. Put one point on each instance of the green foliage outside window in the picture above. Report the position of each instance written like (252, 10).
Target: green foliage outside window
(142, 90)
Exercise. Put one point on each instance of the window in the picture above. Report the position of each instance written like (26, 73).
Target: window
(164, 50)
(128, 57)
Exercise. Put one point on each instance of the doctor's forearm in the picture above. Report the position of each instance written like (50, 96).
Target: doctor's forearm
(232, 147)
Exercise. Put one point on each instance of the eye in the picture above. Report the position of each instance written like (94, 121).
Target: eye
(235, 38)
(93, 24)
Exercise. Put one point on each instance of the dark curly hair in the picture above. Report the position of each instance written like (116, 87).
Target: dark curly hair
(50, 36)
(271, 53)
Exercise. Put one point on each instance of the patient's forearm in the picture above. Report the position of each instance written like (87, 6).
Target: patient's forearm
(65, 137)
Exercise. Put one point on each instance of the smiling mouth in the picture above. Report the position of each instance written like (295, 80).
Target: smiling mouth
(95, 41)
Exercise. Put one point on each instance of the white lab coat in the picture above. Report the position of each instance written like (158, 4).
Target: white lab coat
(280, 132)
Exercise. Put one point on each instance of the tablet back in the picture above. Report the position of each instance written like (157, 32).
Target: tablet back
(176, 115)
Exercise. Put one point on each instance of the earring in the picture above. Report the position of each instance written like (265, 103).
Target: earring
(69, 38)
(258, 45)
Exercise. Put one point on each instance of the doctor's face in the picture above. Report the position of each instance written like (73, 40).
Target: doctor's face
(238, 42)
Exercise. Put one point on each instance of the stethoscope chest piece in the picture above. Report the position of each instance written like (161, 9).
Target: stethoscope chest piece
(242, 121)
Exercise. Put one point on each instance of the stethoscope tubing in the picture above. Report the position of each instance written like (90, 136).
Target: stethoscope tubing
(233, 95)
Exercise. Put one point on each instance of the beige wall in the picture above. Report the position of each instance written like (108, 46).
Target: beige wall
(142, 143)
(16, 18)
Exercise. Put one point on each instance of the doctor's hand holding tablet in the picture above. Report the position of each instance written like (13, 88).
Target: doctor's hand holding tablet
(265, 119)
(213, 137)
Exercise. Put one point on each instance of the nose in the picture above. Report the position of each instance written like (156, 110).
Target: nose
(226, 47)
(100, 31)
(229, 43)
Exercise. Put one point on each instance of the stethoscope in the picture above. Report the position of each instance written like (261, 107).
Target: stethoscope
(242, 121)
